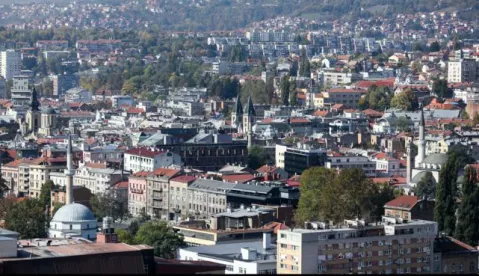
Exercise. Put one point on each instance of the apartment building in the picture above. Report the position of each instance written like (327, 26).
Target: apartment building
(148, 159)
(207, 197)
(21, 94)
(452, 256)
(337, 78)
(390, 246)
(52, 45)
(97, 180)
(462, 70)
(179, 197)
(63, 83)
(297, 159)
(3, 88)
(345, 162)
(137, 193)
(345, 96)
(40, 170)
(158, 184)
(10, 64)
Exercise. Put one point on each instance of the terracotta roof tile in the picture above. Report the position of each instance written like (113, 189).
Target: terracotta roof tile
(405, 201)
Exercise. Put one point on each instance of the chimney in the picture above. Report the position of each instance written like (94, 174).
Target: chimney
(266, 240)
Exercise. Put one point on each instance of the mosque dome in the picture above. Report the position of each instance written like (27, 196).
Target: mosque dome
(74, 212)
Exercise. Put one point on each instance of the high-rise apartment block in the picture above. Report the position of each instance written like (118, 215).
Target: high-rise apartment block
(387, 247)
(10, 64)
(462, 70)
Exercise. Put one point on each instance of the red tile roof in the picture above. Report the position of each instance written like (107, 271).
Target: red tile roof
(241, 178)
(135, 110)
(372, 113)
(379, 83)
(142, 174)
(299, 120)
(144, 152)
(321, 113)
(165, 172)
(294, 181)
(404, 202)
(95, 165)
(346, 90)
(184, 178)
(267, 169)
(276, 226)
(121, 185)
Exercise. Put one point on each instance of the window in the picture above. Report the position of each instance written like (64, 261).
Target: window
(284, 245)
(472, 267)
(284, 266)
(295, 247)
(71, 227)
(295, 267)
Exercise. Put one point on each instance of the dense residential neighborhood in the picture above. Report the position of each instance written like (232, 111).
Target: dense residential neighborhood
(288, 144)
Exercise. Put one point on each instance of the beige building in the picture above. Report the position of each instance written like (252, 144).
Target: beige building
(207, 197)
(345, 96)
(386, 248)
(158, 200)
(40, 170)
(179, 198)
(95, 179)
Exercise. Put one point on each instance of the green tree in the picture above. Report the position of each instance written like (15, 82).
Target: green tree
(108, 204)
(304, 64)
(464, 115)
(28, 218)
(403, 124)
(256, 89)
(468, 215)
(285, 90)
(405, 100)
(313, 181)
(256, 157)
(162, 238)
(46, 193)
(441, 89)
(125, 236)
(434, 47)
(446, 189)
(426, 186)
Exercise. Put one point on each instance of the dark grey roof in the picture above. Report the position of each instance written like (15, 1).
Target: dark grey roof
(250, 108)
(252, 188)
(436, 158)
(49, 110)
(419, 176)
(210, 185)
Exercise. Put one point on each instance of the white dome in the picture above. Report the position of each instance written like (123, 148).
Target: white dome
(72, 213)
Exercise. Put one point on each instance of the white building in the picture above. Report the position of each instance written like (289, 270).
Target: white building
(96, 180)
(73, 220)
(343, 162)
(21, 94)
(257, 257)
(78, 95)
(10, 64)
(146, 159)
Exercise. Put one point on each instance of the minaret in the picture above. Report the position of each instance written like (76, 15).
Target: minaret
(249, 118)
(410, 159)
(421, 146)
(69, 172)
(237, 115)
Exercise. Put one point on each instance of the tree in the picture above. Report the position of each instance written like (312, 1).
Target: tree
(464, 115)
(162, 238)
(475, 119)
(46, 193)
(426, 186)
(322, 189)
(285, 89)
(440, 88)
(28, 218)
(434, 47)
(107, 204)
(47, 88)
(256, 89)
(468, 215)
(446, 189)
(125, 236)
(313, 181)
(256, 157)
(403, 124)
(304, 65)
(405, 100)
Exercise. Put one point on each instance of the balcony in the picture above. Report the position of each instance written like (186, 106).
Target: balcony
(136, 191)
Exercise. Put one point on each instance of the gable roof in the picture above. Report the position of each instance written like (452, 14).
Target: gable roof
(406, 202)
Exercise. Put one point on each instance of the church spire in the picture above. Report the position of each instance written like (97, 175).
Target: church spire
(35, 103)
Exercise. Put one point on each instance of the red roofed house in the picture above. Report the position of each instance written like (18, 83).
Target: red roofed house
(146, 159)
(160, 194)
(238, 178)
(120, 190)
(294, 181)
(410, 207)
(365, 84)
(271, 173)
